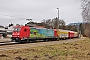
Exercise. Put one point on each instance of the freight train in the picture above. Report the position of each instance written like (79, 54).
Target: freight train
(32, 34)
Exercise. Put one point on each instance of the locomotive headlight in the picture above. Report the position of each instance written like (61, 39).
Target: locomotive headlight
(13, 34)
(18, 34)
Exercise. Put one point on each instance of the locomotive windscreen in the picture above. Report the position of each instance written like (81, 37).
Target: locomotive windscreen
(17, 29)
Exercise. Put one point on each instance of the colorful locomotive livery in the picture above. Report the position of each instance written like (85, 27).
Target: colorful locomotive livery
(27, 34)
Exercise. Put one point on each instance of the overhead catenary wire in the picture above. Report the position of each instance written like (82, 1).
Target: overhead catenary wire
(12, 16)
(19, 12)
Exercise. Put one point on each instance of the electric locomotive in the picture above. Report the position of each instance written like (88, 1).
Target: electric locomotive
(32, 34)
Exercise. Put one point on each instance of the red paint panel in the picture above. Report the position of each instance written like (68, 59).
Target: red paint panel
(71, 34)
(55, 33)
(23, 33)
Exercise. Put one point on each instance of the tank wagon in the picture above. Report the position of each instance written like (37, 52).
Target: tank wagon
(27, 34)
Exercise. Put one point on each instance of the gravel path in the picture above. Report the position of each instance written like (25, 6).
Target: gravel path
(28, 45)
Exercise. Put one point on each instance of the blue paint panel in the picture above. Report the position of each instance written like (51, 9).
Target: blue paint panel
(42, 31)
(46, 32)
(50, 33)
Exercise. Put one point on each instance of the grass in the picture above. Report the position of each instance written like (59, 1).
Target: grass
(79, 50)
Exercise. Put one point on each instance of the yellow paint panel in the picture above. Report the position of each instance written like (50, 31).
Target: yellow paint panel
(62, 33)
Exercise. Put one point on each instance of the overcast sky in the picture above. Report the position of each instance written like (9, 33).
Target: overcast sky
(17, 11)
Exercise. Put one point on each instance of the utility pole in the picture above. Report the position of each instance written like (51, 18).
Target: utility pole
(79, 29)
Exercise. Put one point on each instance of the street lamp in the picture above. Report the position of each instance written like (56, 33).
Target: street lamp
(58, 19)
(58, 13)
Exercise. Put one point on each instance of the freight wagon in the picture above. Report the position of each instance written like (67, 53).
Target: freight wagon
(27, 34)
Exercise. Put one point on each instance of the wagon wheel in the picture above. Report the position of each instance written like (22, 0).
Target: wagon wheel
(58, 39)
(27, 41)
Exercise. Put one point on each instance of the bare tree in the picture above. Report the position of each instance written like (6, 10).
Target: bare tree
(86, 10)
(86, 29)
(53, 23)
(47, 23)
(86, 16)
(62, 22)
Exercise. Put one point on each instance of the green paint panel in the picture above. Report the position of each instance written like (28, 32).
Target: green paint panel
(35, 33)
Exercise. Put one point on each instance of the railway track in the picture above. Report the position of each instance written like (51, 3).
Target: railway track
(7, 43)
(14, 45)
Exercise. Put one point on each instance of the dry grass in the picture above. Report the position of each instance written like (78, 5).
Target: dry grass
(79, 50)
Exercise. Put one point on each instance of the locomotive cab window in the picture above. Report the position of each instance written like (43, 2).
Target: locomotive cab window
(17, 29)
